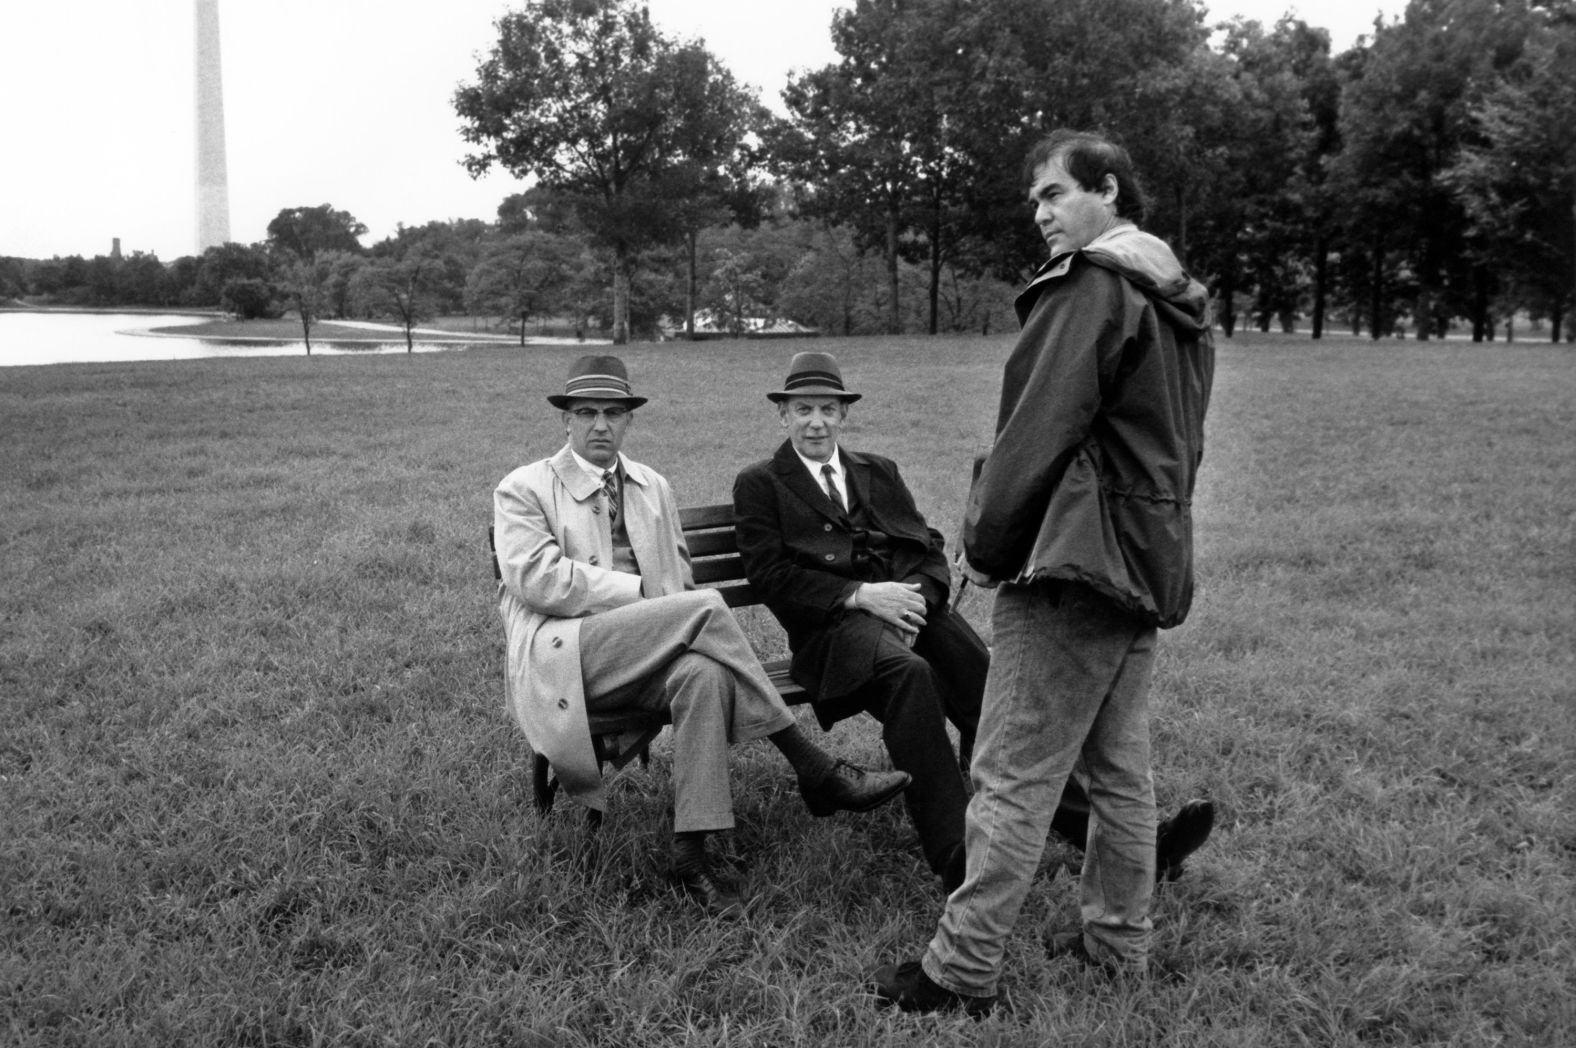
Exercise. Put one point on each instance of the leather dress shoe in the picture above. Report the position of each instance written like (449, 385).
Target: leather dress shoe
(847, 788)
(1180, 836)
(907, 986)
(715, 898)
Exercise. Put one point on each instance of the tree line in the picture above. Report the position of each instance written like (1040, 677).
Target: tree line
(1423, 179)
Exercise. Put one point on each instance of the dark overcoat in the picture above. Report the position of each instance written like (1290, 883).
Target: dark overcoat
(798, 548)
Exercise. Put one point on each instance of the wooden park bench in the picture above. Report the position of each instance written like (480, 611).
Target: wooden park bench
(714, 557)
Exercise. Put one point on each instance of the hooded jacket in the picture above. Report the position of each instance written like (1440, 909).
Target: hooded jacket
(1100, 430)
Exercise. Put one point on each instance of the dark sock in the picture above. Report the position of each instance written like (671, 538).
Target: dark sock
(810, 762)
(689, 851)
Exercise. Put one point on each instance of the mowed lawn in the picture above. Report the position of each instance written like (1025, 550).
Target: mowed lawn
(258, 787)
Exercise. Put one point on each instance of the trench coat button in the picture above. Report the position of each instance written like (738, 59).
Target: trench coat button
(558, 642)
(593, 558)
(563, 704)
(597, 510)
(831, 556)
(826, 527)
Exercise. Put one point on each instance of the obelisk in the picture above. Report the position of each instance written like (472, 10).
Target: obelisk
(213, 180)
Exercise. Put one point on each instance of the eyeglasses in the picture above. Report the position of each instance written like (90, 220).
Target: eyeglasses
(590, 415)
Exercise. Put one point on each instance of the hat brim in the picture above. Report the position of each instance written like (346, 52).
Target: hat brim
(813, 391)
(560, 400)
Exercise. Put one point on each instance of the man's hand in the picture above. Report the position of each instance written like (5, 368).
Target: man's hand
(895, 603)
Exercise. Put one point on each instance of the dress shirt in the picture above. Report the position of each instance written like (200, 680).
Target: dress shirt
(596, 471)
(838, 473)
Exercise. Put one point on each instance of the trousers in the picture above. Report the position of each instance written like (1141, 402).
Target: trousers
(1069, 679)
(684, 654)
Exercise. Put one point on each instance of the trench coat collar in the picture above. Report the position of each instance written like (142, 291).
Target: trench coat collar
(856, 468)
(582, 485)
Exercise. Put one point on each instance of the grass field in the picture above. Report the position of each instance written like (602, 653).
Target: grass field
(257, 786)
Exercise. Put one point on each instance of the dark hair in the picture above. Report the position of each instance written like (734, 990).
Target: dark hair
(1089, 158)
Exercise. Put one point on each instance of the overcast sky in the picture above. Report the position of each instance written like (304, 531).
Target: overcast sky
(345, 102)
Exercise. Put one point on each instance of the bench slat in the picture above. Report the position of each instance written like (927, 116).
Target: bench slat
(721, 569)
(698, 518)
(711, 543)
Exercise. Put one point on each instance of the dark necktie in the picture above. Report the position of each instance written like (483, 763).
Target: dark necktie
(610, 493)
(831, 486)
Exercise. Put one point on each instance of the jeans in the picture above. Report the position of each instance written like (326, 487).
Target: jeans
(1069, 678)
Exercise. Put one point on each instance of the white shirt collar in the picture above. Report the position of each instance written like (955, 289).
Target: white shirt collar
(592, 468)
(836, 462)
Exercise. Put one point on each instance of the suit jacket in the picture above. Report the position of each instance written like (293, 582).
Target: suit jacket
(798, 551)
(555, 551)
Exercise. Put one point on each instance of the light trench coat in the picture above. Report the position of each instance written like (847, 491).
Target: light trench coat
(555, 552)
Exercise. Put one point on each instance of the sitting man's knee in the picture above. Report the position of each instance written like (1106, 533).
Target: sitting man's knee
(693, 669)
(905, 665)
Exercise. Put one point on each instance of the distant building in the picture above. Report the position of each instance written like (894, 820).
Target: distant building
(709, 326)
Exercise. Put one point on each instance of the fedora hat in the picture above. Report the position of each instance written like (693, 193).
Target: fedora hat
(596, 378)
(813, 374)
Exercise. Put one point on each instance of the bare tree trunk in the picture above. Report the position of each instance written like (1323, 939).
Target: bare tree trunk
(1376, 289)
(1228, 308)
(690, 239)
(620, 294)
(895, 321)
(1321, 274)
(1482, 324)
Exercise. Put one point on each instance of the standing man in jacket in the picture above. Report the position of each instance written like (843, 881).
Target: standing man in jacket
(1082, 515)
(601, 614)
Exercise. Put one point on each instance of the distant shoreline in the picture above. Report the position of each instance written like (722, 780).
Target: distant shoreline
(218, 326)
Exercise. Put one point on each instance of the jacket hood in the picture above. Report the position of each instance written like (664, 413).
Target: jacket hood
(1149, 262)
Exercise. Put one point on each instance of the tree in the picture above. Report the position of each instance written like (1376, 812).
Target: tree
(13, 278)
(304, 232)
(451, 250)
(249, 298)
(1405, 122)
(525, 275)
(306, 282)
(398, 288)
(1518, 182)
(339, 283)
(590, 99)
(223, 263)
(1249, 222)
(914, 137)
(864, 130)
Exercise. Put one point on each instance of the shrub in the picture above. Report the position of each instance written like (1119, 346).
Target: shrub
(250, 298)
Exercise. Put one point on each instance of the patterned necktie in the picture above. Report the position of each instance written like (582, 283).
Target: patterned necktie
(831, 486)
(610, 493)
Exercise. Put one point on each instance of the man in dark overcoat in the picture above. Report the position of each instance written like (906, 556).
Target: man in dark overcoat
(835, 546)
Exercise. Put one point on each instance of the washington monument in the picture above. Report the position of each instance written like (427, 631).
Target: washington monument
(213, 180)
